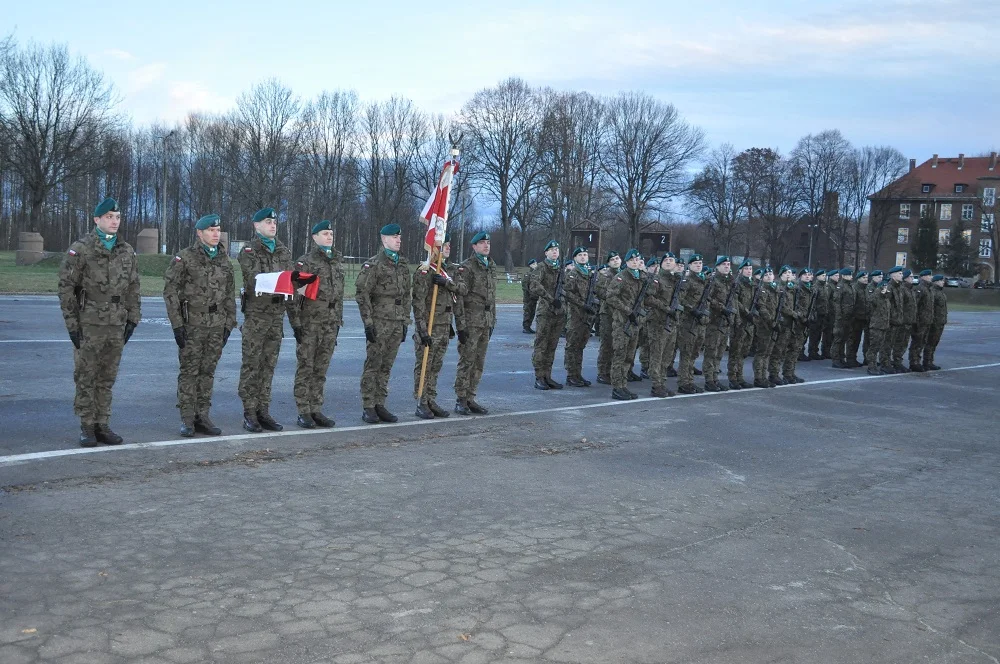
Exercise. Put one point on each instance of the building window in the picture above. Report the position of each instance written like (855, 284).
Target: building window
(967, 211)
(986, 223)
(989, 196)
(904, 210)
(944, 236)
(959, 188)
(926, 189)
(901, 258)
(942, 259)
(903, 236)
(946, 212)
(968, 236)
(925, 209)
(986, 248)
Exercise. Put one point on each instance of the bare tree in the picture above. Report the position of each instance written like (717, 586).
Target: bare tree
(717, 200)
(768, 183)
(867, 170)
(819, 165)
(646, 150)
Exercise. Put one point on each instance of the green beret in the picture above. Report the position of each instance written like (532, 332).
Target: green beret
(447, 238)
(907, 273)
(479, 237)
(611, 254)
(832, 273)
(322, 226)
(107, 205)
(265, 213)
(579, 250)
(846, 272)
(937, 277)
(746, 262)
(390, 229)
(759, 272)
(768, 268)
(669, 254)
(721, 259)
(531, 262)
(820, 271)
(861, 273)
(925, 273)
(568, 261)
(652, 261)
(896, 269)
(805, 270)
(208, 221)
(552, 243)
(694, 258)
(783, 269)
(876, 273)
(632, 253)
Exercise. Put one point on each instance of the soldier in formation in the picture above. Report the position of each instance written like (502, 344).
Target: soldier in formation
(530, 301)
(581, 306)
(547, 286)
(475, 318)
(432, 343)
(612, 263)
(624, 297)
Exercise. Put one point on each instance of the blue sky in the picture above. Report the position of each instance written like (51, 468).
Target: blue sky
(916, 74)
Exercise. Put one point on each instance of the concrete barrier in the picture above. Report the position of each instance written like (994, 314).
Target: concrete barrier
(30, 249)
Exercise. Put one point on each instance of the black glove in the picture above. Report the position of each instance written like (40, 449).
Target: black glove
(225, 337)
(451, 331)
(302, 281)
(370, 333)
(462, 336)
(180, 336)
(632, 318)
(129, 329)
(405, 330)
(557, 305)
(425, 339)
(589, 310)
(297, 331)
(491, 333)
(74, 336)
(440, 279)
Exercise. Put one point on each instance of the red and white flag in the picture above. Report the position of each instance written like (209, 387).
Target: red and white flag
(280, 283)
(435, 213)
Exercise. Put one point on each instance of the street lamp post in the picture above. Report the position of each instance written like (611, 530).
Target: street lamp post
(811, 227)
(163, 195)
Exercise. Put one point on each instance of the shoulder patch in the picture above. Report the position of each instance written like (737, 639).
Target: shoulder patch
(248, 249)
(300, 263)
(618, 278)
(72, 252)
(177, 259)
(461, 269)
(423, 272)
(365, 266)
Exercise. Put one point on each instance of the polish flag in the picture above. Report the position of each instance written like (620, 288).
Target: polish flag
(435, 213)
(280, 283)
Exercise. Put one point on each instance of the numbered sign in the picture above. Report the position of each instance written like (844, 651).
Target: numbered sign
(588, 238)
(654, 242)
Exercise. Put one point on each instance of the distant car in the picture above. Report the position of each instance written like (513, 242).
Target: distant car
(956, 282)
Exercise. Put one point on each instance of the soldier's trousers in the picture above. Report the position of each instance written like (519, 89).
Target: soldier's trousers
(550, 327)
(624, 352)
(690, 338)
(739, 344)
(776, 361)
(866, 344)
(918, 339)
(472, 360)
(643, 347)
(660, 341)
(577, 336)
(900, 338)
(379, 358)
(762, 357)
(815, 336)
(261, 345)
(716, 336)
(933, 339)
(880, 357)
(435, 360)
(841, 331)
(198, 360)
(606, 351)
(856, 327)
(95, 368)
(797, 338)
(826, 348)
(312, 360)
(530, 304)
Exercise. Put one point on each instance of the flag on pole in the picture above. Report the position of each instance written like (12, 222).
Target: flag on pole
(280, 283)
(435, 213)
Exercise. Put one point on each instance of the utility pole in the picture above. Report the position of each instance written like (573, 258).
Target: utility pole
(812, 227)
(461, 224)
(163, 195)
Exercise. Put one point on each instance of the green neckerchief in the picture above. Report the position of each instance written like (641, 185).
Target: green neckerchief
(774, 285)
(107, 240)
(210, 251)
(326, 250)
(635, 272)
(790, 284)
(485, 260)
(268, 242)
(554, 263)
(584, 268)
(394, 255)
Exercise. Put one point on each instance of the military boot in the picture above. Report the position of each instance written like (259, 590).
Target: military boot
(384, 414)
(266, 421)
(603, 379)
(734, 384)
(424, 411)
(306, 421)
(933, 367)
(370, 416)
(540, 383)
(106, 435)
(837, 364)
(527, 330)
(322, 420)
(661, 392)
(874, 371)
(475, 408)
(633, 377)
(918, 368)
(187, 426)
(621, 394)
(698, 372)
(204, 424)
(853, 363)
(687, 389)
(462, 405)
(671, 372)
(576, 381)
(87, 436)
(775, 380)
(760, 382)
(250, 422)
(815, 356)
(744, 385)
(712, 386)
(436, 409)
(553, 384)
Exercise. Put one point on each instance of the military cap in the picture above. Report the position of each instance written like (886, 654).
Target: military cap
(447, 238)
(721, 259)
(568, 261)
(706, 269)
(552, 243)
(322, 226)
(937, 277)
(833, 272)
(925, 273)
(695, 257)
(107, 205)
(759, 272)
(783, 269)
(632, 253)
(652, 261)
(531, 262)
(479, 237)
(846, 272)
(907, 273)
(819, 271)
(611, 254)
(579, 250)
(768, 268)
(746, 261)
(876, 273)
(208, 221)
(896, 269)
(805, 270)
(861, 273)
(669, 254)
(266, 213)
(390, 229)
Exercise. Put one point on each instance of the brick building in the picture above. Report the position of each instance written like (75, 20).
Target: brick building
(948, 189)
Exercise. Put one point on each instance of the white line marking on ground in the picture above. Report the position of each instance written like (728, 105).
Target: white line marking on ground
(52, 454)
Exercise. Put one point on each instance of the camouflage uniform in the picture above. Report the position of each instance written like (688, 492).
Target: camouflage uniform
(742, 331)
(857, 322)
(938, 321)
(578, 322)
(551, 321)
(200, 295)
(896, 326)
(621, 295)
(530, 301)
(767, 306)
(99, 295)
(441, 333)
(317, 323)
(924, 301)
(826, 351)
(878, 327)
(691, 330)
(842, 305)
(902, 336)
(801, 295)
(658, 298)
(606, 350)
(818, 323)
(383, 295)
(784, 316)
(867, 350)
(475, 317)
(262, 323)
(717, 330)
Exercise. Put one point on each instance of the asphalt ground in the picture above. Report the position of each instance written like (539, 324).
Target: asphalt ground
(848, 519)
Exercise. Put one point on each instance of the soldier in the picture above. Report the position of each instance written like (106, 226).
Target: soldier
(199, 291)
(742, 328)
(717, 331)
(939, 320)
(316, 324)
(802, 297)
(551, 317)
(530, 301)
(784, 315)
(842, 305)
(475, 318)
(857, 321)
(767, 306)
(99, 298)
(580, 281)
(895, 316)
(436, 341)
(902, 337)
(606, 350)
(263, 321)
(833, 280)
(663, 300)
(879, 306)
(694, 317)
(924, 300)
(383, 295)
(874, 279)
(623, 294)
(652, 269)
(817, 321)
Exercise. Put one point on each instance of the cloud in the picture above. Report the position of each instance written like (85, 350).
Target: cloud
(119, 54)
(186, 97)
(143, 77)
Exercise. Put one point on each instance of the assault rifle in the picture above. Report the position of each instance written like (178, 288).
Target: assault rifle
(675, 304)
(702, 308)
(590, 303)
(559, 294)
(754, 312)
(728, 309)
(811, 311)
(776, 330)
(637, 309)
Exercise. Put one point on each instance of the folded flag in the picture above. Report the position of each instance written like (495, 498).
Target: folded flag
(281, 283)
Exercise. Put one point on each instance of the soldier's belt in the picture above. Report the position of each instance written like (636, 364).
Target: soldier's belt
(210, 309)
(103, 299)
(382, 300)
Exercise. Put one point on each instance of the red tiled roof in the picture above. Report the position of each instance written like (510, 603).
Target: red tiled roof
(944, 177)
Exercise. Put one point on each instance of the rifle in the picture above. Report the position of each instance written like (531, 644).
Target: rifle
(811, 311)
(591, 301)
(675, 304)
(559, 294)
(637, 309)
(754, 301)
(776, 329)
(701, 309)
(728, 309)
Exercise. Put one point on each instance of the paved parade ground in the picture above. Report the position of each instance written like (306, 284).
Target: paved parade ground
(847, 519)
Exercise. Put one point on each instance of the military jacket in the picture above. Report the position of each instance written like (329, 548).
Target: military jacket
(604, 277)
(696, 285)
(896, 303)
(720, 292)
(98, 286)
(543, 284)
(328, 307)
(786, 303)
(659, 293)
(879, 306)
(909, 304)
(256, 259)
(744, 297)
(526, 283)
(423, 293)
(575, 285)
(201, 287)
(940, 306)
(860, 301)
(477, 293)
(622, 292)
(800, 306)
(924, 302)
(843, 301)
(767, 305)
(382, 289)
(822, 290)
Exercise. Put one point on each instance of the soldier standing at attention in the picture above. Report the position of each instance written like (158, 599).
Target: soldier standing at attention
(815, 324)
(262, 321)
(784, 315)
(767, 307)
(691, 331)
(437, 339)
(606, 350)
(879, 305)
(742, 328)
(530, 301)
(842, 304)
(857, 322)
(316, 324)
(875, 278)
(939, 320)
(579, 315)
(383, 296)
(717, 330)
(659, 296)
(622, 294)
(551, 318)
(924, 299)
(99, 298)
(902, 339)
(801, 296)
(475, 318)
(199, 291)
(896, 326)
(833, 279)
(652, 269)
